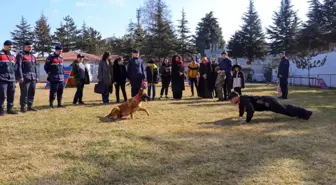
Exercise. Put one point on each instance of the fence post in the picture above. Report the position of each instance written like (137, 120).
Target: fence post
(330, 80)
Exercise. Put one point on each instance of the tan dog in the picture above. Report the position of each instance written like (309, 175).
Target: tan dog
(128, 108)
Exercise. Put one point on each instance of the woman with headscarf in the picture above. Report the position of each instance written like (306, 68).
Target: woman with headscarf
(203, 86)
(105, 76)
(177, 75)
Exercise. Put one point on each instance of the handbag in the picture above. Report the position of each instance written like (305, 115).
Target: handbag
(99, 88)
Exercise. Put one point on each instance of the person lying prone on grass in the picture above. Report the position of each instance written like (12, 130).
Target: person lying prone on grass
(250, 104)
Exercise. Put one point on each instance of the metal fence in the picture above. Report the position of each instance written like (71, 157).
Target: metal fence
(312, 80)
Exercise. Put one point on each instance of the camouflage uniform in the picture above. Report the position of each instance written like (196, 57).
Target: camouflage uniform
(220, 81)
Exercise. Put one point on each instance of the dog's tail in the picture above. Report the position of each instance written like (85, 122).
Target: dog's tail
(114, 114)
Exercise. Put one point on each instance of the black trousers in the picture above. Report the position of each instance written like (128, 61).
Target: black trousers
(193, 83)
(284, 87)
(79, 93)
(288, 110)
(135, 86)
(123, 90)
(7, 91)
(165, 85)
(56, 88)
(27, 88)
(227, 86)
(177, 95)
(238, 90)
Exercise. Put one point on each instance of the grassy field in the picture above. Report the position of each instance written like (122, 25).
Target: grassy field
(193, 141)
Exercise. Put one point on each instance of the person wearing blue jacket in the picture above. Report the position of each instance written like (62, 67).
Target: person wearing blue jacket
(135, 72)
(283, 72)
(225, 65)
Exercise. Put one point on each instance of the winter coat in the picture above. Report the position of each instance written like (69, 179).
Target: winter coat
(152, 73)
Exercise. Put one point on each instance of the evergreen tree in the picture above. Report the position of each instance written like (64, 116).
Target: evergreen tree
(22, 34)
(208, 32)
(284, 30)
(42, 40)
(67, 34)
(329, 14)
(160, 40)
(311, 36)
(185, 46)
(236, 45)
(252, 36)
(83, 40)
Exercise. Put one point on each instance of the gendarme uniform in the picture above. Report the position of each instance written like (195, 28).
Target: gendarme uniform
(27, 70)
(55, 71)
(7, 79)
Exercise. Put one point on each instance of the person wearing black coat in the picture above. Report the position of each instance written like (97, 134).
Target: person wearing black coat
(213, 77)
(165, 72)
(152, 78)
(204, 79)
(177, 75)
(283, 72)
(250, 104)
(119, 78)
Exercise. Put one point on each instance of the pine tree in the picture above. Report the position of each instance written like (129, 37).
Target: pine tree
(67, 34)
(185, 46)
(284, 30)
(311, 36)
(42, 40)
(83, 39)
(161, 38)
(208, 32)
(329, 14)
(22, 34)
(236, 45)
(252, 36)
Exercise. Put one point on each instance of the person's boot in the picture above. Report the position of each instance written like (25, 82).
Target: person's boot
(307, 115)
(51, 104)
(59, 104)
(2, 112)
(23, 109)
(11, 111)
(30, 108)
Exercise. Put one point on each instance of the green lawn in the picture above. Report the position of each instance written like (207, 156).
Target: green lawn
(192, 141)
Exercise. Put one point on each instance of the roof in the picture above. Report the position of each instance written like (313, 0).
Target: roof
(72, 55)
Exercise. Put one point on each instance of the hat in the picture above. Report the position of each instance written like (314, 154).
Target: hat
(151, 61)
(135, 51)
(28, 43)
(236, 65)
(80, 56)
(233, 94)
(224, 53)
(8, 43)
(58, 47)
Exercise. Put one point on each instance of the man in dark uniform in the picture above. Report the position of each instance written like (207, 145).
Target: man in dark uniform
(225, 65)
(55, 71)
(27, 75)
(7, 78)
(250, 104)
(135, 72)
(283, 71)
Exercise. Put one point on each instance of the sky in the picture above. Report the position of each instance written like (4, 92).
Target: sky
(111, 17)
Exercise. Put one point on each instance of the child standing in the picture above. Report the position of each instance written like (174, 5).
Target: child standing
(152, 78)
(238, 79)
(220, 82)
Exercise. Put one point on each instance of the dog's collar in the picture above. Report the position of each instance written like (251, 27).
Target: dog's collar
(137, 98)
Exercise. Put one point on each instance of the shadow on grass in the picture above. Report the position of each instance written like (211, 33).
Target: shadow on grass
(234, 121)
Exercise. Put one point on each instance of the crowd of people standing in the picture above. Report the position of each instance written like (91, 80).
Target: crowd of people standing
(208, 79)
